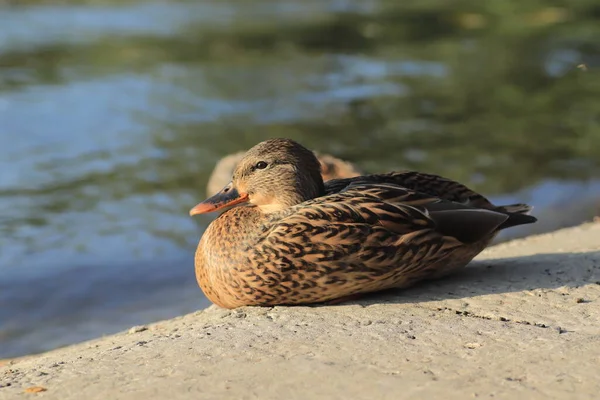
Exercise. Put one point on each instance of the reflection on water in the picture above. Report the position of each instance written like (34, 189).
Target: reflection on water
(112, 116)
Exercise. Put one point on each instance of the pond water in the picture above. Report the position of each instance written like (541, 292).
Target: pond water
(113, 114)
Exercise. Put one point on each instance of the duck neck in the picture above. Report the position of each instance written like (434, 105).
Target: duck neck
(306, 188)
(240, 223)
(280, 200)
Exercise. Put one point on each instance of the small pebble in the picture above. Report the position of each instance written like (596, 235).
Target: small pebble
(137, 329)
(35, 389)
(581, 300)
(473, 345)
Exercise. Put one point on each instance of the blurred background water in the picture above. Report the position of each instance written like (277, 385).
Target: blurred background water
(113, 114)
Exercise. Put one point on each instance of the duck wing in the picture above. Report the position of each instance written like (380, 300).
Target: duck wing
(462, 221)
(448, 213)
(371, 228)
(364, 238)
(430, 184)
(342, 238)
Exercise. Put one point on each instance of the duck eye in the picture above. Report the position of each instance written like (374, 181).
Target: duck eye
(261, 165)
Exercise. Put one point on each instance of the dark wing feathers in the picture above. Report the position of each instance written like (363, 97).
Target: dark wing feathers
(434, 193)
(430, 184)
(458, 212)
(467, 225)
(461, 221)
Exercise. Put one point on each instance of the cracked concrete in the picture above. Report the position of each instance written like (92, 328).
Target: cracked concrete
(523, 321)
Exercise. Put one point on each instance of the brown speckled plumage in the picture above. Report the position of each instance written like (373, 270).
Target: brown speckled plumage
(296, 240)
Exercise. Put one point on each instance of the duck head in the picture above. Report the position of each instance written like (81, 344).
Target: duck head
(273, 175)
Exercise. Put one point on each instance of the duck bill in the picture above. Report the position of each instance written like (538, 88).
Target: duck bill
(227, 197)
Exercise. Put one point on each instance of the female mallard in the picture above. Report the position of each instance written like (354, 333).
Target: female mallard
(331, 168)
(291, 239)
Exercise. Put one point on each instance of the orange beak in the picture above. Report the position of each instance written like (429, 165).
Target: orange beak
(227, 197)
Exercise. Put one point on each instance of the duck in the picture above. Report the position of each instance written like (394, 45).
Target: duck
(331, 168)
(285, 237)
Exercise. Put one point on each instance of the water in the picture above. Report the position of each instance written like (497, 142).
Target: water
(112, 116)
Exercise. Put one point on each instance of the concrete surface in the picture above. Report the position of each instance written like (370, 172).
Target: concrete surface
(522, 322)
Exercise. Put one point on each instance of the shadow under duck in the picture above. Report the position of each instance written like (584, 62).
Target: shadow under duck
(289, 238)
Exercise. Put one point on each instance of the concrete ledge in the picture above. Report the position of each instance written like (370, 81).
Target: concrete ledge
(523, 321)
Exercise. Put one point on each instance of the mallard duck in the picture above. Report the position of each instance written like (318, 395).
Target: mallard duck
(331, 168)
(289, 238)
